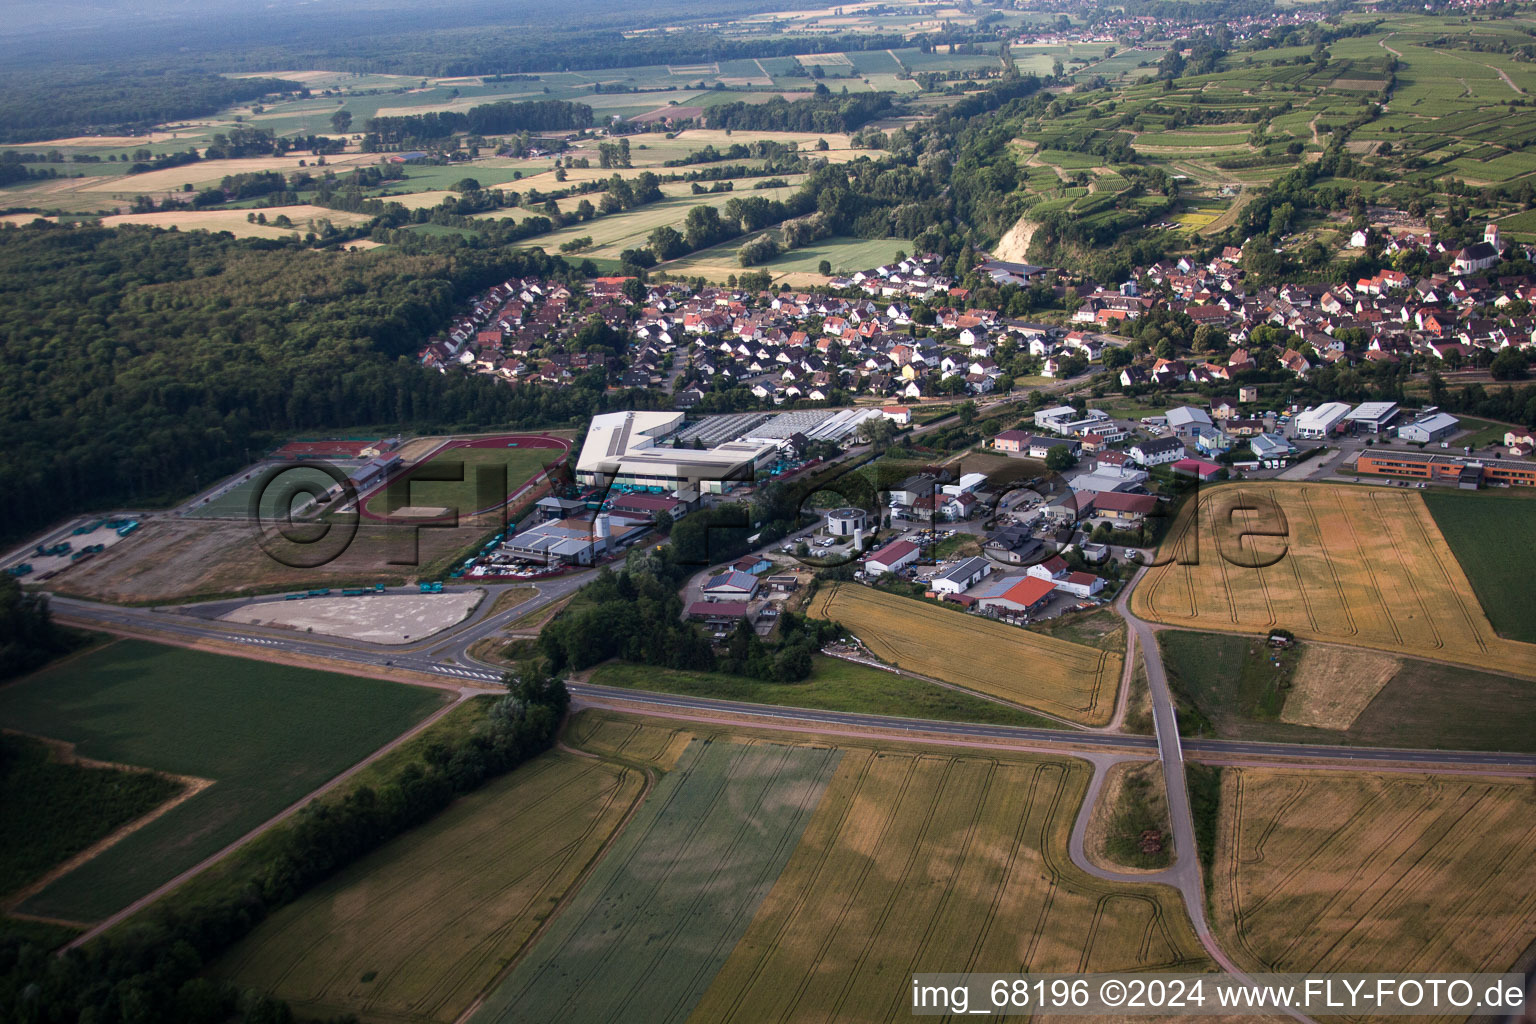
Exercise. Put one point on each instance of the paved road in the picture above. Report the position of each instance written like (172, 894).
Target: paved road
(447, 657)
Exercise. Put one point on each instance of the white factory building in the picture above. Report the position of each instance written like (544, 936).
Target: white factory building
(1373, 416)
(1321, 421)
(630, 449)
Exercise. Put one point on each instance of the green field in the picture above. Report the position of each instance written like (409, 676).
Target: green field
(55, 809)
(614, 233)
(646, 933)
(847, 255)
(1484, 432)
(1484, 530)
(265, 734)
(834, 685)
(1225, 689)
(235, 503)
(466, 495)
(421, 927)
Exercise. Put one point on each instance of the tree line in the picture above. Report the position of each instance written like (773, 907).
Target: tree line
(153, 968)
(29, 638)
(503, 116)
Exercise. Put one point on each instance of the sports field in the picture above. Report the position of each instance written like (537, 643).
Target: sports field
(1357, 565)
(938, 862)
(644, 936)
(477, 463)
(417, 930)
(267, 485)
(265, 734)
(1055, 676)
(1354, 871)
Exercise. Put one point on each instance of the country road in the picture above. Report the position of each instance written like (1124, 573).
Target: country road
(444, 661)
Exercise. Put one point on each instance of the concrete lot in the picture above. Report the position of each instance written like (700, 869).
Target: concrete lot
(375, 618)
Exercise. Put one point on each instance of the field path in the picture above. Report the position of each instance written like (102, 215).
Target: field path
(1184, 874)
(1389, 49)
(465, 693)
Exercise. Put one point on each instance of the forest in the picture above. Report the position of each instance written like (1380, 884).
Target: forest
(67, 102)
(139, 364)
(821, 113)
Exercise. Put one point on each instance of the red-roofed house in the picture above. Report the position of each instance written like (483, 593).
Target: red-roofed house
(1080, 584)
(1053, 568)
(1118, 505)
(1012, 441)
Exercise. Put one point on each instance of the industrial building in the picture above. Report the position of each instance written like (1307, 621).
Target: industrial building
(1321, 421)
(1429, 426)
(845, 522)
(1014, 595)
(962, 576)
(626, 450)
(890, 558)
(1447, 469)
(1373, 416)
(572, 541)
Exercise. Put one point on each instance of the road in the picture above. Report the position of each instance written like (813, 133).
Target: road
(447, 658)
(444, 661)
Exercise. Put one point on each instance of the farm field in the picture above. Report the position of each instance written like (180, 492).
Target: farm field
(834, 685)
(1227, 686)
(1448, 890)
(919, 861)
(1479, 527)
(847, 255)
(631, 229)
(234, 220)
(532, 454)
(1056, 676)
(57, 806)
(265, 734)
(430, 919)
(1360, 566)
(664, 909)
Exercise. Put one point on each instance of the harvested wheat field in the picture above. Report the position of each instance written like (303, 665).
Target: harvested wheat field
(1332, 685)
(1357, 565)
(1055, 676)
(1354, 871)
(937, 862)
(235, 222)
(170, 179)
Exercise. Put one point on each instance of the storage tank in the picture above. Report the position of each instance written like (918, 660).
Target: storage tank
(602, 531)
